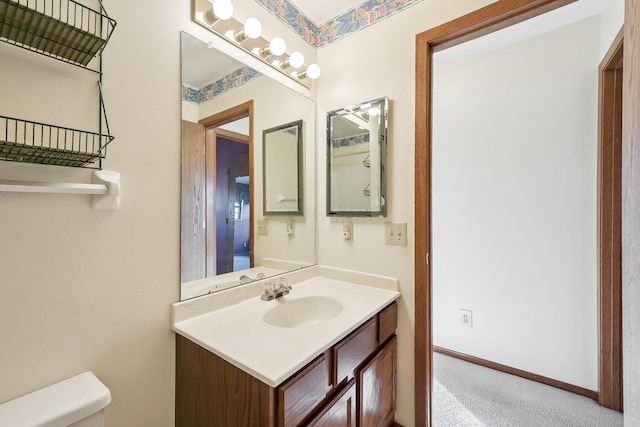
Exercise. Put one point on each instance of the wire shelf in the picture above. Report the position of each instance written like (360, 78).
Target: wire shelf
(62, 29)
(33, 142)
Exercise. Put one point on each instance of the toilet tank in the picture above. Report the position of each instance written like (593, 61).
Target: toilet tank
(75, 402)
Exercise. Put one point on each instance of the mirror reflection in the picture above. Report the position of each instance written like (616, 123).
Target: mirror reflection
(225, 238)
(356, 159)
(282, 165)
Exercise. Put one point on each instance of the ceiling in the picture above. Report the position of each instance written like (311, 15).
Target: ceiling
(201, 65)
(322, 11)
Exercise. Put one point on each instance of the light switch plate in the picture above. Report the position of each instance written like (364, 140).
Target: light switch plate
(395, 233)
(263, 227)
(291, 227)
(347, 230)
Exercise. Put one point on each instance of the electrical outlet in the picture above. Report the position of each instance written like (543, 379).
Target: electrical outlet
(263, 227)
(466, 318)
(395, 233)
(347, 230)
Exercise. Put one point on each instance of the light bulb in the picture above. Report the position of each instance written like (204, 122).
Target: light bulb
(313, 71)
(223, 9)
(296, 60)
(277, 46)
(373, 112)
(252, 28)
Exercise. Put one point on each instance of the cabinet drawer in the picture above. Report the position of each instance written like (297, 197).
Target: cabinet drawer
(300, 395)
(388, 322)
(354, 349)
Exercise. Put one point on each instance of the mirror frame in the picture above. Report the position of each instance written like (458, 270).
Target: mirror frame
(299, 211)
(382, 145)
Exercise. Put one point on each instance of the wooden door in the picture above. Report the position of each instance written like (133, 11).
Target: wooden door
(193, 224)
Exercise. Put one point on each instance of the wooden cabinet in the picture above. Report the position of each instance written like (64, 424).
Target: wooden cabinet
(351, 384)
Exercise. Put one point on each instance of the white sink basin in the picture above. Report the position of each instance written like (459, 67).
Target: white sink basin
(306, 311)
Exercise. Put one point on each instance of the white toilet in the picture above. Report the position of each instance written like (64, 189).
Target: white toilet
(76, 402)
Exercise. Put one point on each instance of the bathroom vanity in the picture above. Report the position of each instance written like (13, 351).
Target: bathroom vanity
(281, 363)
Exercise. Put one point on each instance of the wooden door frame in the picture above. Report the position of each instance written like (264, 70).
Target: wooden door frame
(610, 227)
(498, 15)
(210, 124)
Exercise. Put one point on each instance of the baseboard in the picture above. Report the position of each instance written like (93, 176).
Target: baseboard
(520, 373)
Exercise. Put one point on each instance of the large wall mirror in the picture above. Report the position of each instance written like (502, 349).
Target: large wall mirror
(226, 107)
(357, 159)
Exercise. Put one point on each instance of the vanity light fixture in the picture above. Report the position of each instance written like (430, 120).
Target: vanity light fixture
(312, 72)
(270, 52)
(252, 29)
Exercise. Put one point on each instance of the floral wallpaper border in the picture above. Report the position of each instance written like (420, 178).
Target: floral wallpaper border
(351, 141)
(224, 84)
(353, 20)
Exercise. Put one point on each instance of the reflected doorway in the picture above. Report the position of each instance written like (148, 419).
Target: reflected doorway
(233, 206)
(217, 194)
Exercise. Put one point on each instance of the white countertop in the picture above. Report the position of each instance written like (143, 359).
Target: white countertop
(236, 332)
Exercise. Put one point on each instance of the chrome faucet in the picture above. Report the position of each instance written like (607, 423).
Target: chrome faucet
(271, 291)
(244, 279)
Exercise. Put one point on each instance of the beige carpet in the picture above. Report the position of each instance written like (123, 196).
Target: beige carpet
(468, 395)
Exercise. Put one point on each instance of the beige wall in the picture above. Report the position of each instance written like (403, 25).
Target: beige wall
(88, 290)
(380, 61)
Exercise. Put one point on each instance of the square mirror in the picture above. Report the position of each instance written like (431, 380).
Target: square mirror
(357, 159)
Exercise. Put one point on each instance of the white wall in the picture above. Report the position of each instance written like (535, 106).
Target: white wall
(380, 61)
(89, 290)
(514, 202)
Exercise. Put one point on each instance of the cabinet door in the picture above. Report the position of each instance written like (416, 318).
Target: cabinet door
(302, 393)
(340, 411)
(377, 388)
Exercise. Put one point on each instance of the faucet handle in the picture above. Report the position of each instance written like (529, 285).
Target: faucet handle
(283, 283)
(268, 291)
